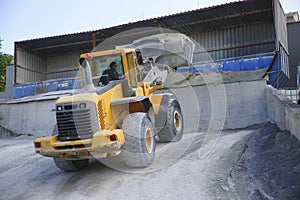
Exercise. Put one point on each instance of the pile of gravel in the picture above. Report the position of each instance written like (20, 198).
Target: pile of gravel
(269, 165)
(5, 133)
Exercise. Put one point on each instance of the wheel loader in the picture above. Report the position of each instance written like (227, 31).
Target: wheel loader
(113, 117)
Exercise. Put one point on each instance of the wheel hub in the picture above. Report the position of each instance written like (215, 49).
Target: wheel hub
(177, 121)
(149, 140)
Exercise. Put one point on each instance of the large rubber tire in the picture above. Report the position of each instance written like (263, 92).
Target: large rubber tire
(68, 165)
(173, 129)
(139, 147)
(152, 115)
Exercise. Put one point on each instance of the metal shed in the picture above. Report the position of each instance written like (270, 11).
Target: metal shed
(225, 31)
(294, 48)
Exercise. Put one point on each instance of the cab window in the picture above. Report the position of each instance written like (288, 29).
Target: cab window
(101, 63)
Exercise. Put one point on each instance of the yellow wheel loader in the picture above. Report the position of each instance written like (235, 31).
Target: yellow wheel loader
(116, 112)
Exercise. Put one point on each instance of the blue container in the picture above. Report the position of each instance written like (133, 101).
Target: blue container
(243, 63)
(51, 85)
(18, 92)
(62, 84)
(23, 90)
(65, 84)
(29, 89)
(40, 88)
(250, 64)
(232, 65)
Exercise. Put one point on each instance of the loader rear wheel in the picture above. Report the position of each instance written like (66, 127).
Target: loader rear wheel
(70, 165)
(139, 147)
(173, 130)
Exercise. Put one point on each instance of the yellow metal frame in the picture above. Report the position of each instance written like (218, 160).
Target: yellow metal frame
(99, 146)
(108, 52)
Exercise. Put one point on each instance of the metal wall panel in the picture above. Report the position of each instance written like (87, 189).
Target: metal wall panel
(30, 66)
(294, 50)
(281, 36)
(280, 25)
(25, 76)
(294, 43)
(62, 66)
(63, 75)
(234, 42)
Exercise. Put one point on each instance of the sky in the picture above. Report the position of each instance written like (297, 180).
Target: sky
(30, 19)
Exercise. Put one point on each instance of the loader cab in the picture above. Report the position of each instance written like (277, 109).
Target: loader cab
(97, 66)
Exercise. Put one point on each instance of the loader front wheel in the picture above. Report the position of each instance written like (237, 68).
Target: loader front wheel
(173, 129)
(139, 147)
(70, 165)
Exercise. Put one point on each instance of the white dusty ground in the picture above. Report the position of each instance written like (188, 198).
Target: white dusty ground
(237, 168)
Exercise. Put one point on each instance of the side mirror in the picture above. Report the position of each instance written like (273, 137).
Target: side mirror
(104, 80)
(139, 57)
(81, 61)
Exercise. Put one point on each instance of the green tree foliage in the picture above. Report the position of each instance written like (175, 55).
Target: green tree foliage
(5, 60)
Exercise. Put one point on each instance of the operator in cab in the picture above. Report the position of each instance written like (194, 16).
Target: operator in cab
(112, 72)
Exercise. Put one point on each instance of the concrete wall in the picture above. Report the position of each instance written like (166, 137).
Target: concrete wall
(34, 117)
(9, 90)
(282, 111)
(223, 106)
(207, 107)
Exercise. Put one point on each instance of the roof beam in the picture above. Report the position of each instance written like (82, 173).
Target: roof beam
(160, 23)
(62, 45)
(94, 39)
(222, 18)
(236, 47)
(28, 49)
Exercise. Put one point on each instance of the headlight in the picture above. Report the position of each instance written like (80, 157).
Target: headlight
(59, 108)
(82, 105)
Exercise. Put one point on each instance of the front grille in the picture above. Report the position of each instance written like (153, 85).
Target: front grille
(74, 124)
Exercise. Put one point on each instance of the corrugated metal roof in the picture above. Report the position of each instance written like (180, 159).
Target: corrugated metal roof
(228, 15)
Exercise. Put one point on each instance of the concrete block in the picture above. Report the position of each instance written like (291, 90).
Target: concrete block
(9, 91)
(223, 106)
(33, 117)
(282, 111)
